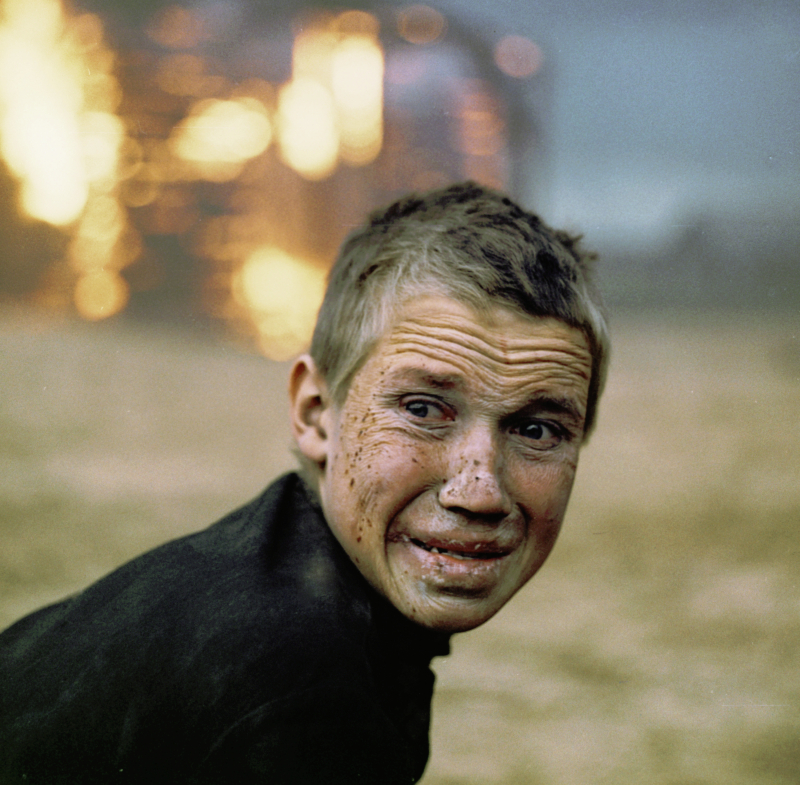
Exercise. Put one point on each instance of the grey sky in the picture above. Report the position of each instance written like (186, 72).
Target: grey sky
(662, 106)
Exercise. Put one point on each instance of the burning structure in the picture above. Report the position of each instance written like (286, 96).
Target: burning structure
(210, 157)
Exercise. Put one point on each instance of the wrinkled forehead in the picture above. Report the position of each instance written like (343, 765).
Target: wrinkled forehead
(489, 321)
(492, 352)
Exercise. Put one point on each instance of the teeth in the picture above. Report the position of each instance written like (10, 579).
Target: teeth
(434, 549)
(453, 554)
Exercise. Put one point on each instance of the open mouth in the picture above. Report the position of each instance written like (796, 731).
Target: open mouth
(465, 555)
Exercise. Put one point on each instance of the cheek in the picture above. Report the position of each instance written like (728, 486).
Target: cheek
(546, 491)
(381, 473)
(545, 501)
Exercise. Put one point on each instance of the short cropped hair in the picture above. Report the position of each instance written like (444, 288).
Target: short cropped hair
(466, 242)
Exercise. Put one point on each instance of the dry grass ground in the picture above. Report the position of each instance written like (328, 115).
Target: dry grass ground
(660, 644)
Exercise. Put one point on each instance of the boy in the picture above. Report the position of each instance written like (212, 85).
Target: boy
(453, 376)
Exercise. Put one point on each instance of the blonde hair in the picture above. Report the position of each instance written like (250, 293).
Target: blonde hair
(466, 242)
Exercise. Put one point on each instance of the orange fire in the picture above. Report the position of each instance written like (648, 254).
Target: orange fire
(330, 111)
(61, 138)
(333, 106)
(282, 295)
(218, 137)
(236, 167)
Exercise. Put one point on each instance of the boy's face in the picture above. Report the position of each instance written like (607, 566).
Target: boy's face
(448, 468)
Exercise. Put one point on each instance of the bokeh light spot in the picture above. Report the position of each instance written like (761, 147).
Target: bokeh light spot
(357, 81)
(100, 294)
(223, 131)
(357, 23)
(282, 295)
(102, 135)
(518, 56)
(420, 24)
(307, 132)
(40, 105)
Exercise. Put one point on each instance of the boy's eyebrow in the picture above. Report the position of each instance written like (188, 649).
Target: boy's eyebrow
(439, 381)
(543, 402)
(552, 404)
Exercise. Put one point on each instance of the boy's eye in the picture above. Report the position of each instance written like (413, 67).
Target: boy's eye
(423, 409)
(545, 434)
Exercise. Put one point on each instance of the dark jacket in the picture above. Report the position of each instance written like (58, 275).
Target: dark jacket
(251, 652)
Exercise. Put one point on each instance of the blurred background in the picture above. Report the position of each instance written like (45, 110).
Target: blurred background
(175, 179)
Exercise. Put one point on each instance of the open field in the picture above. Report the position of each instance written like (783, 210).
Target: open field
(659, 645)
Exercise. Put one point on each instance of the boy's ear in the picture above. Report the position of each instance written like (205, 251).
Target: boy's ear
(310, 410)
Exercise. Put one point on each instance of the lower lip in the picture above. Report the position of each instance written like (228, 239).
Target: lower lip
(450, 574)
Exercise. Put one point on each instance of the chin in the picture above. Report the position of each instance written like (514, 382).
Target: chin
(452, 615)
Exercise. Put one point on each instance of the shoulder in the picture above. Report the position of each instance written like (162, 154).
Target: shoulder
(252, 643)
(222, 618)
(269, 563)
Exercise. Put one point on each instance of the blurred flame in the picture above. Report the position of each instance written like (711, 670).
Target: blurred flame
(222, 132)
(100, 294)
(41, 76)
(61, 138)
(307, 132)
(333, 106)
(102, 136)
(312, 52)
(79, 168)
(282, 295)
(357, 81)
(96, 235)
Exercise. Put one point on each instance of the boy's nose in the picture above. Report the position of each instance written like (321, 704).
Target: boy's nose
(474, 484)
